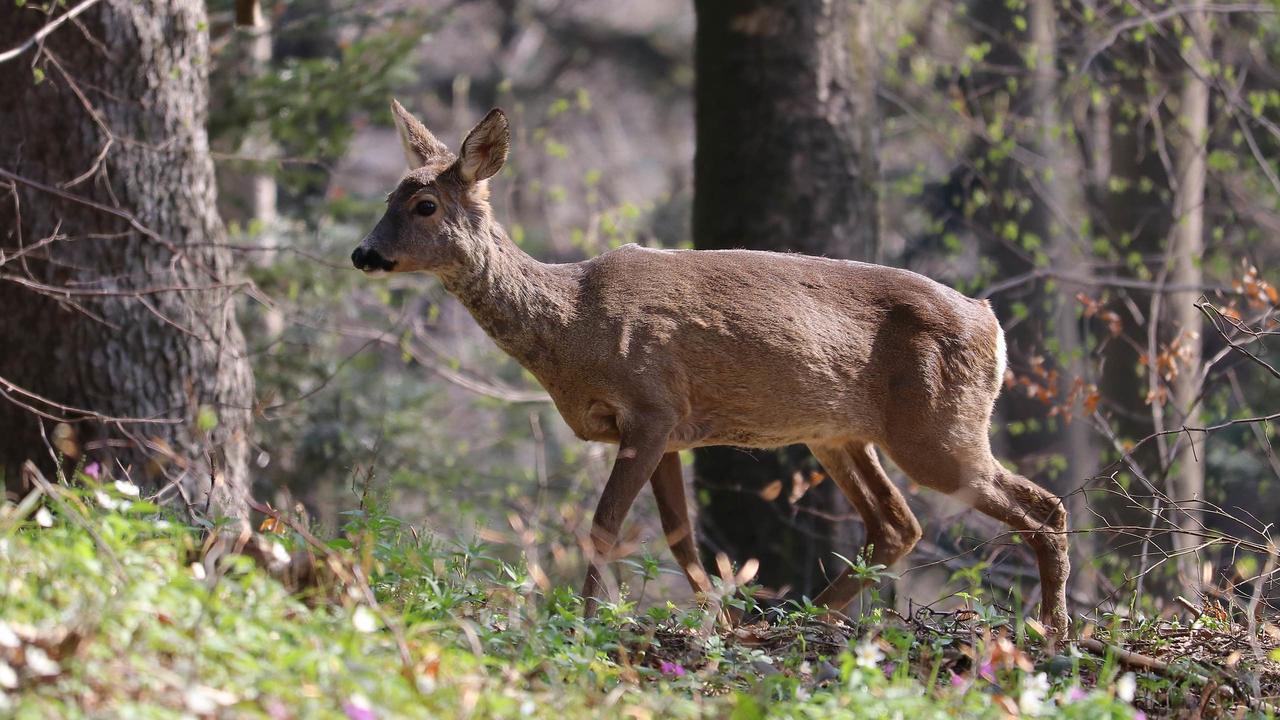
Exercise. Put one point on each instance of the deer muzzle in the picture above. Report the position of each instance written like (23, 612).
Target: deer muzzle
(370, 260)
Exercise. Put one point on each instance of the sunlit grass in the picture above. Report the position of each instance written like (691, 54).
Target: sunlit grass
(110, 613)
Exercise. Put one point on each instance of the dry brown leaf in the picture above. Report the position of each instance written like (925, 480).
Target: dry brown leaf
(771, 491)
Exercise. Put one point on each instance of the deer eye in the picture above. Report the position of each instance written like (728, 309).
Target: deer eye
(425, 208)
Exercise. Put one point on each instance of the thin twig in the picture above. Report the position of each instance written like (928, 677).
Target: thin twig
(45, 31)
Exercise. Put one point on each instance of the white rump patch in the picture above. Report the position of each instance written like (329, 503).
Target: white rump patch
(1000, 355)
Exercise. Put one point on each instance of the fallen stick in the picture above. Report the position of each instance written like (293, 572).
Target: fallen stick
(1146, 662)
(1131, 658)
(1196, 613)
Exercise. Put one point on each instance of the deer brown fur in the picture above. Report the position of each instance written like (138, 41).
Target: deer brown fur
(664, 350)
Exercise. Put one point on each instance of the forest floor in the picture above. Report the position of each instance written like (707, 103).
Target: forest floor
(108, 610)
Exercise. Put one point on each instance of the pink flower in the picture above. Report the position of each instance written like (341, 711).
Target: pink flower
(889, 668)
(671, 669)
(958, 681)
(986, 670)
(92, 470)
(1139, 715)
(277, 709)
(1076, 694)
(357, 707)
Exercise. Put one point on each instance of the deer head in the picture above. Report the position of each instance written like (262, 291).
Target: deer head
(436, 217)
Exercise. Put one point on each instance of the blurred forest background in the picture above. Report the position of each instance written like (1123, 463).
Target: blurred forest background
(1103, 171)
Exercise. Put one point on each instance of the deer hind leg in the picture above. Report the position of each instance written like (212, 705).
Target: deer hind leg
(968, 471)
(668, 490)
(891, 528)
(1041, 517)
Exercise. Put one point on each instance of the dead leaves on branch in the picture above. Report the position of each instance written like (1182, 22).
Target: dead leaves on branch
(1096, 308)
(1258, 293)
(800, 485)
(1253, 296)
(1045, 385)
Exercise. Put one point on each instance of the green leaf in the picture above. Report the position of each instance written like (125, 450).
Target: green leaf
(206, 419)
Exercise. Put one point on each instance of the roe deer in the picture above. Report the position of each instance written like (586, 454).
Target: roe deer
(663, 350)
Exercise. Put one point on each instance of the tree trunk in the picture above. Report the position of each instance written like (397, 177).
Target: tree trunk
(1188, 239)
(1060, 203)
(248, 187)
(778, 166)
(112, 155)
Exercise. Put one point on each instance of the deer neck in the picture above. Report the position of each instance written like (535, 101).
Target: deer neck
(521, 303)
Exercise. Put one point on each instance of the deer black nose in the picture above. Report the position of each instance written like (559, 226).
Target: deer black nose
(364, 259)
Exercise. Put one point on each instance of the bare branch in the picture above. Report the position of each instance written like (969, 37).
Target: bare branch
(45, 31)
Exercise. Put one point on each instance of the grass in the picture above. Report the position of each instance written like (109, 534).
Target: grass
(106, 610)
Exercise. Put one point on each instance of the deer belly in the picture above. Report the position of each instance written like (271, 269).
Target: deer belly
(769, 429)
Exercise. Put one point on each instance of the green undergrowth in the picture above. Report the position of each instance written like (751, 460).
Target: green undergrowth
(107, 611)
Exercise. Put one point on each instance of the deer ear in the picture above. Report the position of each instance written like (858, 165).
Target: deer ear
(420, 146)
(485, 149)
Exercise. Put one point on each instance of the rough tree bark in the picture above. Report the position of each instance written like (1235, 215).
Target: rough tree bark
(141, 322)
(779, 166)
(1188, 239)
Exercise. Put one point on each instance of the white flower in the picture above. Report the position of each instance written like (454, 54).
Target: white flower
(8, 638)
(204, 700)
(1030, 703)
(197, 570)
(358, 707)
(124, 487)
(527, 707)
(199, 703)
(44, 518)
(39, 662)
(364, 620)
(426, 684)
(106, 501)
(1126, 687)
(1034, 687)
(279, 553)
(868, 655)
(8, 678)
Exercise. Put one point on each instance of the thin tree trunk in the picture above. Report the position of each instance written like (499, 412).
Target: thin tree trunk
(1188, 239)
(778, 167)
(262, 146)
(145, 327)
(1060, 204)
(249, 188)
(259, 210)
(866, 64)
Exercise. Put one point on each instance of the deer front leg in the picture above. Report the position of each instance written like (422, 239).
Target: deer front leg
(638, 456)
